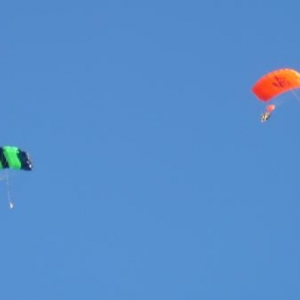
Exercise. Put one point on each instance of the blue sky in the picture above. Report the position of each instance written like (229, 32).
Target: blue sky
(154, 178)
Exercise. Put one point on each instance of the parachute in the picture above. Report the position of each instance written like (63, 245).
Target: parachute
(276, 83)
(14, 158)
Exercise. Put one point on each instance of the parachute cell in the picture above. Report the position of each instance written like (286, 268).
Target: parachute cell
(14, 158)
(275, 83)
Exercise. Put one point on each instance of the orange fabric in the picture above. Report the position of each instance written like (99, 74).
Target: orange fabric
(275, 83)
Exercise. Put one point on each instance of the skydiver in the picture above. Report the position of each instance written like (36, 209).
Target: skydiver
(265, 116)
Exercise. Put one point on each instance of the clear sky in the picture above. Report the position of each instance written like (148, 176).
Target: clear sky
(154, 178)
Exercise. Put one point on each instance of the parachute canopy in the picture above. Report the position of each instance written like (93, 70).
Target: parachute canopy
(275, 83)
(14, 158)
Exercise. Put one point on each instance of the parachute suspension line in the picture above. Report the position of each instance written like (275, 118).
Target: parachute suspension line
(280, 101)
(8, 192)
(296, 95)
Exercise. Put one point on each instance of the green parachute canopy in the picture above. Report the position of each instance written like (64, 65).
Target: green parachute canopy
(14, 158)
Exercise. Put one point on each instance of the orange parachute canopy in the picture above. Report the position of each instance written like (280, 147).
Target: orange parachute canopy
(275, 83)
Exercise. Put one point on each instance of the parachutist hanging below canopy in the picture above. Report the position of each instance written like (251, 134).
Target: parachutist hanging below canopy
(14, 158)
